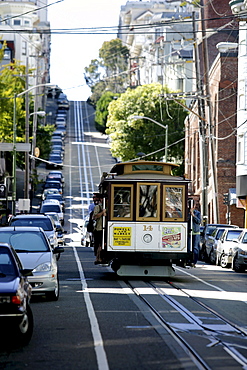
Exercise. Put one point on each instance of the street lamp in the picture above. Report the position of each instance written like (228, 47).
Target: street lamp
(14, 141)
(159, 124)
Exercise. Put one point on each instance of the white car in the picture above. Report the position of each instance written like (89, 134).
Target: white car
(225, 246)
(51, 206)
(212, 242)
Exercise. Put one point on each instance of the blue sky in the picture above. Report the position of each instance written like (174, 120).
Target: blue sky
(70, 54)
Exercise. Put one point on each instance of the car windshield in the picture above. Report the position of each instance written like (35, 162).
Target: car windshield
(45, 223)
(233, 234)
(50, 208)
(210, 230)
(52, 185)
(25, 241)
(54, 196)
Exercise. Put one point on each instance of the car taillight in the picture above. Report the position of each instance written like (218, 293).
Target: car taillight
(16, 299)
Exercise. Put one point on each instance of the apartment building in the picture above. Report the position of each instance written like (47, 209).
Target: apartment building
(210, 132)
(159, 35)
(25, 29)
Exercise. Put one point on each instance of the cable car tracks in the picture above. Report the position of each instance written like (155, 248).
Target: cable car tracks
(208, 338)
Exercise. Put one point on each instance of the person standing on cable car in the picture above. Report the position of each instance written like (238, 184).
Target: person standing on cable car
(98, 214)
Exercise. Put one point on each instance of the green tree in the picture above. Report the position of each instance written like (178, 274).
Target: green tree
(129, 137)
(109, 71)
(101, 113)
(11, 83)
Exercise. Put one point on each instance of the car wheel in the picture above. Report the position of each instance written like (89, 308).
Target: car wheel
(24, 329)
(54, 294)
(212, 259)
(224, 260)
(237, 267)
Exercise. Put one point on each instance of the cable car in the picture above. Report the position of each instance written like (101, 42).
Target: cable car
(145, 230)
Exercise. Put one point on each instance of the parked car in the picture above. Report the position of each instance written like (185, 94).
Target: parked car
(52, 205)
(58, 139)
(58, 152)
(37, 220)
(61, 128)
(49, 191)
(212, 242)
(225, 245)
(60, 120)
(206, 232)
(56, 174)
(55, 177)
(59, 228)
(54, 161)
(61, 113)
(57, 136)
(239, 252)
(58, 147)
(16, 318)
(34, 250)
(53, 184)
(62, 102)
(57, 197)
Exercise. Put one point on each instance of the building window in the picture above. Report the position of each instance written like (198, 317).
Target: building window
(180, 84)
(24, 48)
(7, 54)
(17, 22)
(241, 101)
(240, 149)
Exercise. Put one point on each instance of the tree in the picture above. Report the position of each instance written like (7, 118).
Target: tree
(109, 72)
(11, 83)
(101, 113)
(129, 137)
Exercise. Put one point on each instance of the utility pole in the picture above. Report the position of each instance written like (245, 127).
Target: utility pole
(27, 161)
(209, 105)
(201, 112)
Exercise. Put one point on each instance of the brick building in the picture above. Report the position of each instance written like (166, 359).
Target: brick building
(213, 140)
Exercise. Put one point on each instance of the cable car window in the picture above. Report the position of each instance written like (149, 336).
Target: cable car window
(148, 196)
(121, 204)
(174, 203)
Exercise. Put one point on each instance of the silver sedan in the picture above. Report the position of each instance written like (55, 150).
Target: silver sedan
(35, 252)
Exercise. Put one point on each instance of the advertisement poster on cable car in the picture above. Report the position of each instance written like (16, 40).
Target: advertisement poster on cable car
(171, 237)
(122, 236)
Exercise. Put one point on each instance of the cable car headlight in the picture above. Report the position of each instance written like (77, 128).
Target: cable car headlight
(147, 238)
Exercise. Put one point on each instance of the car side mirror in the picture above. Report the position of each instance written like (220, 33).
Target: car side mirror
(58, 250)
(26, 272)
